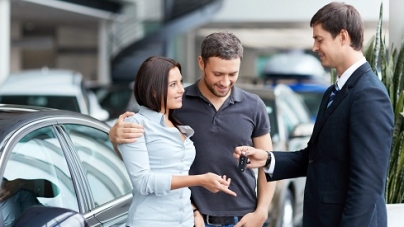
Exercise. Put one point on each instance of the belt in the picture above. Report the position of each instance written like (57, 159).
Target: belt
(220, 220)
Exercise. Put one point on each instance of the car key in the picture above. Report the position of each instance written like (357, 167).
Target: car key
(242, 163)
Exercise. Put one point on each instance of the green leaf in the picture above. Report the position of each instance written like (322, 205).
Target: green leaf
(391, 73)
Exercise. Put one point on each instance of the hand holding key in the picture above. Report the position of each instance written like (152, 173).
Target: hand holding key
(242, 163)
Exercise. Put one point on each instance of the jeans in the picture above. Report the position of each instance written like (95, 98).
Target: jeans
(229, 225)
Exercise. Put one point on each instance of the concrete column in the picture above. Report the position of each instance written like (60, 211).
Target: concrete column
(104, 65)
(15, 50)
(191, 59)
(190, 52)
(4, 39)
(396, 22)
(248, 70)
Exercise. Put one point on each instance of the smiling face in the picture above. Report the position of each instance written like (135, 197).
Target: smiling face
(218, 76)
(329, 49)
(175, 90)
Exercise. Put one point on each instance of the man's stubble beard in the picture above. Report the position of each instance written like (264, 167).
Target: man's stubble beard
(212, 88)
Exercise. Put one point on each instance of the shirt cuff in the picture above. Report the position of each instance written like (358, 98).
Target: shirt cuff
(270, 169)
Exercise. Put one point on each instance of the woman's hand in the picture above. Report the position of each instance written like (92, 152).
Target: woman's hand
(215, 183)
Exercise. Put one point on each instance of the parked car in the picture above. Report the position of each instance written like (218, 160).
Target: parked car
(303, 73)
(115, 98)
(311, 92)
(37, 216)
(291, 128)
(59, 89)
(72, 152)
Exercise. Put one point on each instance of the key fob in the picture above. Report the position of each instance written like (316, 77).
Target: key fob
(242, 163)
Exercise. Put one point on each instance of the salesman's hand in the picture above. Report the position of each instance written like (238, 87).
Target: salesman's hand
(256, 157)
(125, 132)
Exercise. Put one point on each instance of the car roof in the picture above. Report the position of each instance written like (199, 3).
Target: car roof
(13, 117)
(294, 63)
(43, 81)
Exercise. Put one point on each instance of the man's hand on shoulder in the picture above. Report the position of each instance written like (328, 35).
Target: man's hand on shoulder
(125, 132)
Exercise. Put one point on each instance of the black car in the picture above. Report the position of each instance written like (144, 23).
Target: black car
(65, 160)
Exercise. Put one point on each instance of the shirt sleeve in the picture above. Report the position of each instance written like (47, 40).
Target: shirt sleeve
(136, 158)
(262, 126)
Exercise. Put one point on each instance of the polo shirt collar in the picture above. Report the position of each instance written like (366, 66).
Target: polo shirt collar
(235, 96)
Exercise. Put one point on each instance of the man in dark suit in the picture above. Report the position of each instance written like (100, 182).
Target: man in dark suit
(346, 159)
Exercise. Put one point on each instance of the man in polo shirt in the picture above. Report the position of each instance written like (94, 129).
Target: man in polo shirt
(223, 117)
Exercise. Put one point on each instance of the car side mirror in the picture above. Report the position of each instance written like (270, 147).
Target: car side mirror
(51, 217)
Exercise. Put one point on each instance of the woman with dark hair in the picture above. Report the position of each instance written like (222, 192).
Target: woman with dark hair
(158, 163)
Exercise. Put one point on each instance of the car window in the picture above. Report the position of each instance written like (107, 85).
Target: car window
(271, 110)
(294, 111)
(115, 99)
(105, 171)
(312, 100)
(38, 162)
(56, 102)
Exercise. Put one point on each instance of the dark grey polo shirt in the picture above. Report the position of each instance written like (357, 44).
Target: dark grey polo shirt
(242, 117)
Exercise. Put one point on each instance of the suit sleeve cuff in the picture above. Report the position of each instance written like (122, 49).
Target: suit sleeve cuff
(270, 169)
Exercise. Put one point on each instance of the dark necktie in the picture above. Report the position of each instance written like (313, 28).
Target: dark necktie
(334, 92)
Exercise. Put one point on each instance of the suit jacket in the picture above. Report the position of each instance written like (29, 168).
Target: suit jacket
(347, 157)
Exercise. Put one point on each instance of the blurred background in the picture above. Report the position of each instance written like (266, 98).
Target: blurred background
(106, 40)
(83, 55)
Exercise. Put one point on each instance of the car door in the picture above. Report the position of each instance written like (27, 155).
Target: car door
(34, 158)
(105, 173)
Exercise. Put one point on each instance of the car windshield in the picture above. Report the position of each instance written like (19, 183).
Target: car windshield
(57, 102)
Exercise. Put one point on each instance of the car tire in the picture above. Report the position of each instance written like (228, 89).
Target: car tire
(288, 210)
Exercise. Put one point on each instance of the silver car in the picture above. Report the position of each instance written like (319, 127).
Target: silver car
(291, 128)
(65, 160)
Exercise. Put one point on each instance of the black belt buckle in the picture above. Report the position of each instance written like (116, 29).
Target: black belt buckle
(220, 220)
(209, 223)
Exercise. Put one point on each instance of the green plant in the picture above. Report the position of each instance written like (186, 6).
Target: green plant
(389, 67)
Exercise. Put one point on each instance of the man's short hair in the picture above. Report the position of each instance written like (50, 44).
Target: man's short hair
(336, 16)
(223, 45)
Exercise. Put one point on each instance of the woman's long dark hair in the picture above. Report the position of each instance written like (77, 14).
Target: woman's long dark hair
(151, 84)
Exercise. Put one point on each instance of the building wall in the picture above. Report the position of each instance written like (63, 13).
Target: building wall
(291, 10)
(267, 27)
(63, 47)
